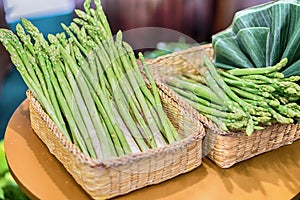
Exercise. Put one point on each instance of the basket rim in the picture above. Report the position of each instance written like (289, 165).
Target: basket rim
(114, 161)
(176, 53)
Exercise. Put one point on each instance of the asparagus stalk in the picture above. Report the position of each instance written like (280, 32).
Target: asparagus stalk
(85, 96)
(140, 97)
(245, 94)
(211, 111)
(181, 77)
(230, 93)
(8, 42)
(42, 57)
(38, 37)
(219, 122)
(102, 144)
(170, 132)
(197, 78)
(74, 119)
(248, 84)
(114, 51)
(197, 99)
(120, 99)
(102, 101)
(199, 90)
(110, 119)
(212, 83)
(255, 71)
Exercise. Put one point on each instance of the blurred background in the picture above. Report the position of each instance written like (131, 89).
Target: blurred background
(197, 19)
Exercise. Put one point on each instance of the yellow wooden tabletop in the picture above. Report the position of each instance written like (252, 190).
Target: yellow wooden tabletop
(273, 175)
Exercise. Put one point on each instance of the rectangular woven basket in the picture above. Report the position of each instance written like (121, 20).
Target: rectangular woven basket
(224, 148)
(103, 179)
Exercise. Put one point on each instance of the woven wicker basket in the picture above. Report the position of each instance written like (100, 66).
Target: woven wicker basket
(225, 148)
(121, 175)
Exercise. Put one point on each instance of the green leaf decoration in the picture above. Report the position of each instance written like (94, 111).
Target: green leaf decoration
(259, 16)
(261, 36)
(293, 70)
(231, 56)
(253, 42)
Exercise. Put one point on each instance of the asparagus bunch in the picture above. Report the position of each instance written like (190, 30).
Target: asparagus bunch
(241, 99)
(91, 85)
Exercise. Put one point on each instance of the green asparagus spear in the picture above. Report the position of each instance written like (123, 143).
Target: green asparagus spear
(252, 71)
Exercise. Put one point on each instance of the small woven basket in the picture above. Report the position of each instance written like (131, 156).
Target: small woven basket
(224, 148)
(121, 175)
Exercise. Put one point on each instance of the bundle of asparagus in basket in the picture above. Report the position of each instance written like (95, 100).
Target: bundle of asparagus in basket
(241, 99)
(91, 86)
(250, 95)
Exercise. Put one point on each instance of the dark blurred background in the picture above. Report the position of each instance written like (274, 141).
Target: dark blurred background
(197, 19)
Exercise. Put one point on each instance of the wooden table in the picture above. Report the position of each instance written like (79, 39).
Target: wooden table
(273, 175)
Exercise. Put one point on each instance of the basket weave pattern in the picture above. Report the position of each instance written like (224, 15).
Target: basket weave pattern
(224, 148)
(227, 150)
(121, 175)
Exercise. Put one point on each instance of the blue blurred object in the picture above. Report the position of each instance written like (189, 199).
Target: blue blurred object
(12, 94)
(48, 24)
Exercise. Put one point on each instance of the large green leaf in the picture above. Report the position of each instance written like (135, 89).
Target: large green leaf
(258, 16)
(293, 70)
(253, 42)
(222, 35)
(233, 56)
(292, 50)
(261, 36)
